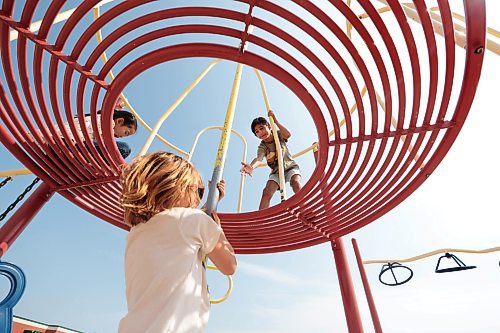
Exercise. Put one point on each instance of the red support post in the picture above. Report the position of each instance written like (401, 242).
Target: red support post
(351, 310)
(23, 216)
(366, 286)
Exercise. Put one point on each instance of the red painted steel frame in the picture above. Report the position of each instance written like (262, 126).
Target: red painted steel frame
(23, 216)
(351, 310)
(362, 172)
(368, 291)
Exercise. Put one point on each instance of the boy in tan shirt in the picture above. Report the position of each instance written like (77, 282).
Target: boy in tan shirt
(267, 148)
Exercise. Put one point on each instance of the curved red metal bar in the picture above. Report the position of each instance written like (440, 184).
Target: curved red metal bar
(362, 172)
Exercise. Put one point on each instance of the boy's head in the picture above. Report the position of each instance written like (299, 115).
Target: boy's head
(261, 128)
(155, 182)
(125, 123)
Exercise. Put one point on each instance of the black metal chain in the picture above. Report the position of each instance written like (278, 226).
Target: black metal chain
(5, 181)
(19, 198)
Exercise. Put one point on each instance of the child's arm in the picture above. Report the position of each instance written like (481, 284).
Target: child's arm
(221, 187)
(120, 103)
(248, 168)
(285, 133)
(223, 256)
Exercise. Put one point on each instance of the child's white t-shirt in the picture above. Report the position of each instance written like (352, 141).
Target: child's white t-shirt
(87, 124)
(165, 281)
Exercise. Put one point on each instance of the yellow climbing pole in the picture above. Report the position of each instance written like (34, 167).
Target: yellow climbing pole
(281, 171)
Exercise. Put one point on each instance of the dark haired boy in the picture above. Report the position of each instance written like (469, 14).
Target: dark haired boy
(124, 124)
(267, 148)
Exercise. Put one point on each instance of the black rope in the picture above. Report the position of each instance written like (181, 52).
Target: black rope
(5, 181)
(19, 198)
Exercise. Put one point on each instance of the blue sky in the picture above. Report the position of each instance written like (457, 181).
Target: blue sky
(74, 261)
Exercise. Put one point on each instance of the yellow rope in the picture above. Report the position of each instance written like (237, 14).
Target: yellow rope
(14, 173)
(394, 124)
(348, 23)
(491, 31)
(129, 106)
(409, 9)
(176, 103)
(380, 100)
(428, 254)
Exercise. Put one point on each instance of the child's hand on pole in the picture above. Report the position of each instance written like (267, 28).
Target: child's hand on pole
(271, 114)
(246, 169)
(221, 187)
(120, 103)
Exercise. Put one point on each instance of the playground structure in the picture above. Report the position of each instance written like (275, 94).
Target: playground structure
(371, 153)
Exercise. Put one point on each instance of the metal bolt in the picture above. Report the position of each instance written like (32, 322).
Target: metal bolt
(479, 50)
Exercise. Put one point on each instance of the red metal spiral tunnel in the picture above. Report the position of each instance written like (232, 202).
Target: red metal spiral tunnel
(364, 170)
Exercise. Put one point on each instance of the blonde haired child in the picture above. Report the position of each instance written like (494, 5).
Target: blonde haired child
(165, 280)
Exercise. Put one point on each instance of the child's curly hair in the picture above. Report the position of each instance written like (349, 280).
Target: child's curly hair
(155, 182)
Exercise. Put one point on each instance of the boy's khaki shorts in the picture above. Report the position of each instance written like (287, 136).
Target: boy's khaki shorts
(288, 175)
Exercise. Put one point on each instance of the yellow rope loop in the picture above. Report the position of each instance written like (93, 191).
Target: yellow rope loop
(229, 289)
(428, 254)
(216, 218)
(244, 157)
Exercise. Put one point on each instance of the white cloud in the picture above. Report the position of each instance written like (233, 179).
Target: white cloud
(283, 278)
(269, 274)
